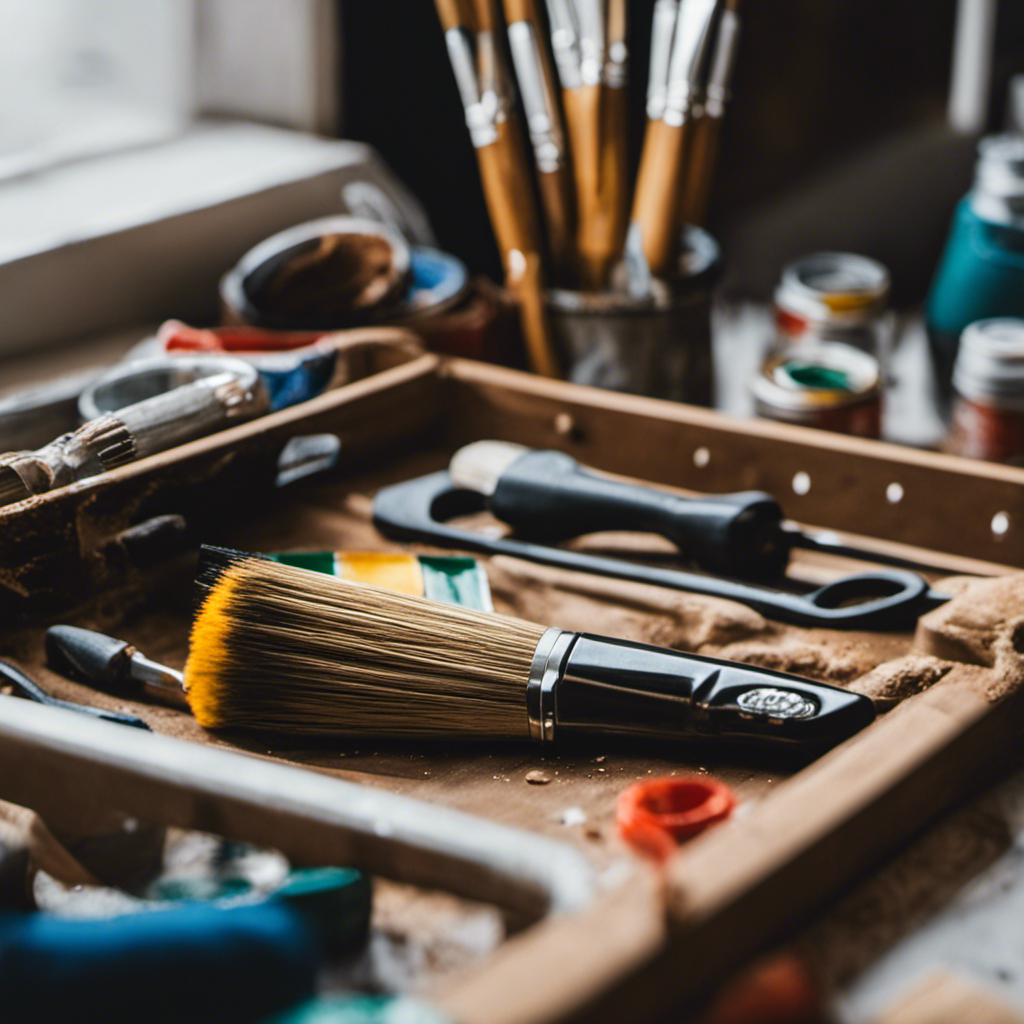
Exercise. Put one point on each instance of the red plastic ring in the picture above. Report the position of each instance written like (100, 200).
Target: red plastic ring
(656, 814)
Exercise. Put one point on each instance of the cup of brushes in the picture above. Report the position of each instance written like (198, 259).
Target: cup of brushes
(612, 291)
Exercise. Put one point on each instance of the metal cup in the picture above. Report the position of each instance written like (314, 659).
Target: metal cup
(659, 345)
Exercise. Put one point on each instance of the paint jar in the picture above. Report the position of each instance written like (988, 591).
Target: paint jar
(659, 345)
(837, 295)
(988, 386)
(821, 383)
(981, 274)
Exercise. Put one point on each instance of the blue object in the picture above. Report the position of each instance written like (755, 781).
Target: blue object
(362, 1010)
(981, 276)
(309, 373)
(196, 963)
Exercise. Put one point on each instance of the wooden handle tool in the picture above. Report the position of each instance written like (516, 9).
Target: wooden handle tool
(504, 170)
(708, 127)
(539, 93)
(663, 161)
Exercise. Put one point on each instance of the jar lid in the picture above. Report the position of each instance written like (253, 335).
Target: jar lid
(818, 375)
(998, 193)
(990, 362)
(654, 815)
(833, 287)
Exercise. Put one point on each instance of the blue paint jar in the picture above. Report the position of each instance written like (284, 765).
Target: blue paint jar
(981, 274)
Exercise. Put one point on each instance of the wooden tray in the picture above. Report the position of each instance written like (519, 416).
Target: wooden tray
(650, 943)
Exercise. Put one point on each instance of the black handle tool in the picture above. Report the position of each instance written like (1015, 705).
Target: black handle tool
(113, 666)
(13, 676)
(886, 599)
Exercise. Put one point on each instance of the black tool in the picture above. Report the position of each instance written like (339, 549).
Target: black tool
(548, 496)
(887, 599)
(113, 666)
(33, 691)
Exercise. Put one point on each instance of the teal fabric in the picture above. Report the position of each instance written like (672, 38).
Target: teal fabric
(196, 963)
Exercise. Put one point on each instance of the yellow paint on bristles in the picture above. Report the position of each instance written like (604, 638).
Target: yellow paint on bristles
(208, 651)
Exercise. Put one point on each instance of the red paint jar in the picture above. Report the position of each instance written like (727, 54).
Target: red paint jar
(988, 381)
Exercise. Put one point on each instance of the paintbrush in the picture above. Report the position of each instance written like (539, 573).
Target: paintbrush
(131, 433)
(661, 177)
(544, 122)
(280, 649)
(614, 178)
(707, 127)
(483, 86)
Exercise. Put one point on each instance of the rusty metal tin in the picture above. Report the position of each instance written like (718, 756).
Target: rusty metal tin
(825, 384)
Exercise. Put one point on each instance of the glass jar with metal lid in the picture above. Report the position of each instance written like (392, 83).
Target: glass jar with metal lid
(988, 382)
(825, 384)
(838, 295)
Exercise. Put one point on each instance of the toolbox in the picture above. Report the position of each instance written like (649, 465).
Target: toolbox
(116, 552)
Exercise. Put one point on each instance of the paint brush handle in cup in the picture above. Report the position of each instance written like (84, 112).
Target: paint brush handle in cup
(504, 171)
(708, 126)
(538, 90)
(662, 172)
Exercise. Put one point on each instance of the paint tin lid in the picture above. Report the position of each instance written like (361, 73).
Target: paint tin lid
(833, 288)
(824, 374)
(656, 814)
(990, 363)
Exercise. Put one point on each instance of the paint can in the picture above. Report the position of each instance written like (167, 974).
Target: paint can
(826, 384)
(837, 295)
(988, 386)
(657, 345)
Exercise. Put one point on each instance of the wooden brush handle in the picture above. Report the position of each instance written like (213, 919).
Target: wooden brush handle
(586, 136)
(656, 205)
(704, 141)
(558, 200)
(528, 287)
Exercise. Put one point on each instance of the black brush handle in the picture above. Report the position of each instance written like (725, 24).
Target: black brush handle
(546, 495)
(619, 687)
(33, 691)
(93, 658)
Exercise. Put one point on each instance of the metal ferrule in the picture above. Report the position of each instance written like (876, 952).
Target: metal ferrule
(538, 101)
(460, 53)
(591, 42)
(663, 25)
(545, 674)
(158, 681)
(565, 43)
(616, 68)
(722, 64)
(689, 49)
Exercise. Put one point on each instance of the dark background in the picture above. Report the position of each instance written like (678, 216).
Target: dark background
(819, 83)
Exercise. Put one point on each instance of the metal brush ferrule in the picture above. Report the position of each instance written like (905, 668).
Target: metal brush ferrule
(689, 51)
(565, 43)
(538, 102)
(722, 64)
(545, 673)
(662, 28)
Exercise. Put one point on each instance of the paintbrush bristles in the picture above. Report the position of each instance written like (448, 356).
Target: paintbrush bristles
(281, 649)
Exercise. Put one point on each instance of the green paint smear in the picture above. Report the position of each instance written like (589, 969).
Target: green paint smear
(315, 561)
(458, 581)
(820, 378)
